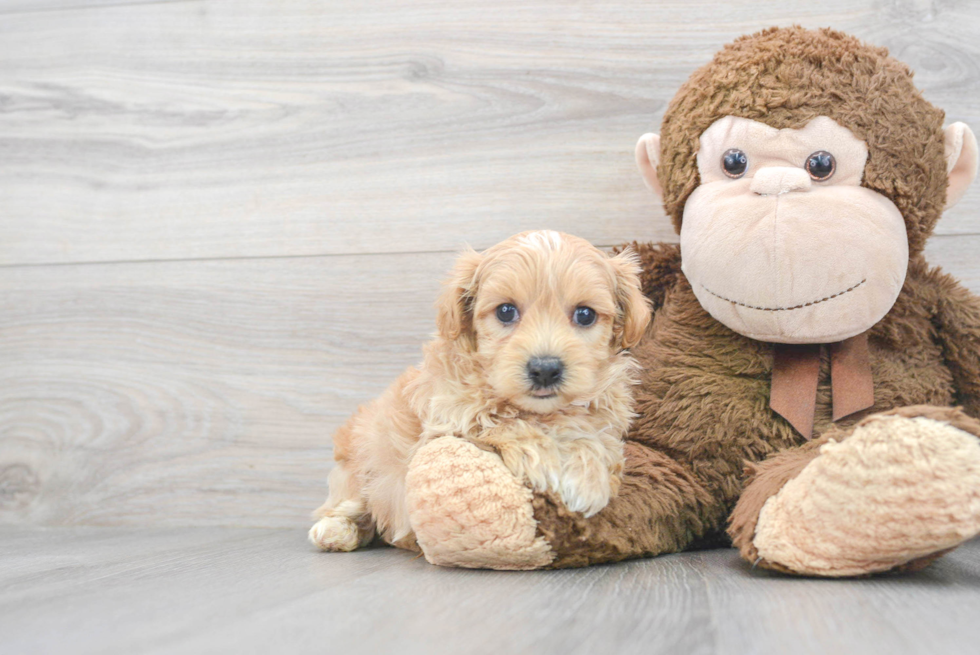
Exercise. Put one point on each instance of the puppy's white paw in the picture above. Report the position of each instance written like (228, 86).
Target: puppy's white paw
(587, 492)
(537, 465)
(335, 533)
(585, 479)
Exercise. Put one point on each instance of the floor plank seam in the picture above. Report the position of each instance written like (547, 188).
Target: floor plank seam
(135, 3)
(411, 253)
(326, 255)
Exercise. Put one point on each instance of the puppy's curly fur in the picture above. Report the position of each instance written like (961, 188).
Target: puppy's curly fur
(476, 383)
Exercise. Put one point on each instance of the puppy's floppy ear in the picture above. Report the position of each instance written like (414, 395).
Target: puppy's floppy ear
(454, 316)
(634, 309)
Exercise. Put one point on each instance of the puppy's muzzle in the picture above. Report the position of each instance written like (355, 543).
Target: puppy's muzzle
(545, 372)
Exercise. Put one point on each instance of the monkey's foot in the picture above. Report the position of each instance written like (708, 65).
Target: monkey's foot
(896, 494)
(468, 510)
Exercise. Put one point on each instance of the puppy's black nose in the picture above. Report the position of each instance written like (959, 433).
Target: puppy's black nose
(545, 372)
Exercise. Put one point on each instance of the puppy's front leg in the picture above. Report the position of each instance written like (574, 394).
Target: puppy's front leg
(584, 470)
(591, 472)
(526, 451)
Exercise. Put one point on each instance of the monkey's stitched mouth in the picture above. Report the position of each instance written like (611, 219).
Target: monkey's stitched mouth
(785, 309)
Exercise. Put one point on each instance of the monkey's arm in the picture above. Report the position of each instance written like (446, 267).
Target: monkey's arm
(661, 508)
(467, 509)
(957, 321)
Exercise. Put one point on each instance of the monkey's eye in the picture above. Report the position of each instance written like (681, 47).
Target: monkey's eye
(734, 162)
(583, 316)
(821, 165)
(507, 313)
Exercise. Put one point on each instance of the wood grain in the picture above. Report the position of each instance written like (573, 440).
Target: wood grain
(195, 393)
(177, 130)
(958, 256)
(205, 393)
(145, 590)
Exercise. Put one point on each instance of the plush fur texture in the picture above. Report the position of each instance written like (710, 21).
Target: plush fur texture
(474, 383)
(706, 448)
(786, 77)
(907, 493)
(896, 489)
(471, 511)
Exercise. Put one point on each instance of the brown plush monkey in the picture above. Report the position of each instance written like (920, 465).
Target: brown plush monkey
(803, 369)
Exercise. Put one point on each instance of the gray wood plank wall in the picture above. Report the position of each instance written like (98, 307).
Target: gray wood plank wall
(223, 224)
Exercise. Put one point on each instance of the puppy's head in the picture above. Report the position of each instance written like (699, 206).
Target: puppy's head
(546, 315)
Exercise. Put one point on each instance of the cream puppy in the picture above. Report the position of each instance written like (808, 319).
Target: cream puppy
(530, 361)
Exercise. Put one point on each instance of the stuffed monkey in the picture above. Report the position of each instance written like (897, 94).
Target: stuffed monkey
(809, 382)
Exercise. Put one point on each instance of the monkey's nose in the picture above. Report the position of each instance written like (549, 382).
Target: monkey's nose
(545, 372)
(777, 180)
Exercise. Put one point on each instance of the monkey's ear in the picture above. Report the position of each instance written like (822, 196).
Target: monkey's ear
(647, 159)
(633, 308)
(961, 161)
(454, 309)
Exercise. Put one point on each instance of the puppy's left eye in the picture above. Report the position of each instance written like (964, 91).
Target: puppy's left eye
(584, 316)
(507, 313)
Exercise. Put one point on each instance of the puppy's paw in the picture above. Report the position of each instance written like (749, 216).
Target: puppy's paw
(587, 487)
(591, 475)
(335, 534)
(537, 464)
(589, 502)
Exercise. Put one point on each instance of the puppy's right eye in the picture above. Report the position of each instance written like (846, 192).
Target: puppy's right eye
(507, 313)
(584, 316)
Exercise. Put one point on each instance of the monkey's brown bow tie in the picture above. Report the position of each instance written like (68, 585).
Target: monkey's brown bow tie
(794, 381)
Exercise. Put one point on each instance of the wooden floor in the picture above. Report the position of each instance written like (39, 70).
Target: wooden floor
(227, 590)
(223, 224)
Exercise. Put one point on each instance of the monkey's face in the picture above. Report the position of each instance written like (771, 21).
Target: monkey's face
(781, 242)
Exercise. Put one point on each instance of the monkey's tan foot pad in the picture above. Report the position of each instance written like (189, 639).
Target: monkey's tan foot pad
(468, 509)
(899, 490)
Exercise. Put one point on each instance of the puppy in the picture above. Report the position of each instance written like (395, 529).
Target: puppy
(530, 361)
